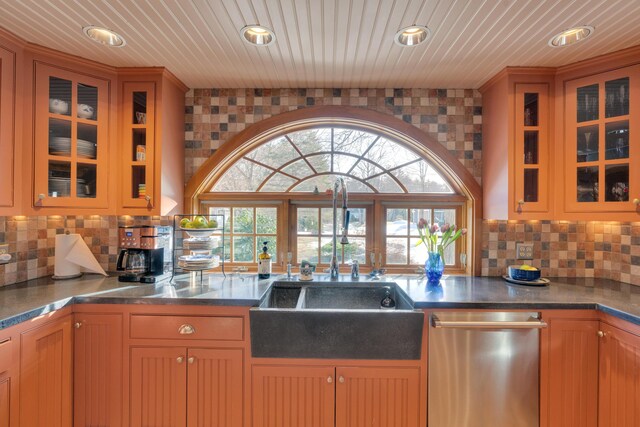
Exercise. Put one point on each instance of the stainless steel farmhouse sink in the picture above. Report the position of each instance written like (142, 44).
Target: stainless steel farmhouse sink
(354, 320)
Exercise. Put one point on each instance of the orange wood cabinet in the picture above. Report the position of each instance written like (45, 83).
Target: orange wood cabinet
(152, 142)
(619, 380)
(9, 196)
(46, 365)
(322, 396)
(569, 374)
(7, 379)
(71, 139)
(179, 386)
(98, 373)
(602, 162)
(517, 122)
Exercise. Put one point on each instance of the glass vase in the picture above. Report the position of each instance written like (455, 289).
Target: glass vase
(433, 268)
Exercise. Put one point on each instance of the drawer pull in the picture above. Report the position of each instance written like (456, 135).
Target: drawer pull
(179, 359)
(329, 380)
(186, 329)
(78, 325)
(191, 360)
(341, 379)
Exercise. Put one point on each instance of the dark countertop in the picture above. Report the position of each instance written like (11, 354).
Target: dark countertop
(23, 301)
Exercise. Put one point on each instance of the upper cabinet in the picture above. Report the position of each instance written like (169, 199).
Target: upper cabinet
(602, 156)
(9, 113)
(71, 139)
(562, 143)
(517, 125)
(151, 142)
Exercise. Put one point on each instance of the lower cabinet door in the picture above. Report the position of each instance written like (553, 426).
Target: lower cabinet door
(376, 396)
(215, 387)
(46, 375)
(619, 398)
(5, 401)
(293, 396)
(158, 386)
(97, 370)
(573, 373)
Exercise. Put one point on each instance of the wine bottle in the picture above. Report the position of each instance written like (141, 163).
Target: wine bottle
(264, 263)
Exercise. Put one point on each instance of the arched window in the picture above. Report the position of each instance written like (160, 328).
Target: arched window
(273, 182)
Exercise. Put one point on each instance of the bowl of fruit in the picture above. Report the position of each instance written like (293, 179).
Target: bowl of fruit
(524, 272)
(198, 226)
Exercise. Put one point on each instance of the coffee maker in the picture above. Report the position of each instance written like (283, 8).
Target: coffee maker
(144, 251)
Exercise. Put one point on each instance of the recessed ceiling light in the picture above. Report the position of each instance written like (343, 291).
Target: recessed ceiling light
(104, 36)
(257, 35)
(411, 36)
(571, 36)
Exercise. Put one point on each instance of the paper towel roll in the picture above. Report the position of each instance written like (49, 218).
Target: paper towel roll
(73, 257)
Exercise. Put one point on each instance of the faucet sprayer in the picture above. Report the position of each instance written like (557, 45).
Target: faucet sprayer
(339, 185)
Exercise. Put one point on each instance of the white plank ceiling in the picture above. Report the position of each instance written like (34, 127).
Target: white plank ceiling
(327, 43)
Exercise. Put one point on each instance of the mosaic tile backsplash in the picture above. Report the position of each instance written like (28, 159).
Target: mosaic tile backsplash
(565, 249)
(451, 116)
(32, 240)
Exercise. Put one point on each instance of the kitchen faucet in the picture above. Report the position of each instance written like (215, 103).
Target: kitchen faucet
(334, 269)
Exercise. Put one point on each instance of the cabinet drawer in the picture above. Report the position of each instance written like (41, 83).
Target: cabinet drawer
(6, 348)
(187, 327)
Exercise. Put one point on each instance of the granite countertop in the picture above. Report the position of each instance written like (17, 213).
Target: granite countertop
(23, 301)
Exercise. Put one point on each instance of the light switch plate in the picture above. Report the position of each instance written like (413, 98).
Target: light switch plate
(4, 248)
(524, 250)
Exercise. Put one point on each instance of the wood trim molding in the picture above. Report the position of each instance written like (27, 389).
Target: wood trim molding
(516, 71)
(159, 71)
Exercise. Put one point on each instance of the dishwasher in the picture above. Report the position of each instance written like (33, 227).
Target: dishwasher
(484, 369)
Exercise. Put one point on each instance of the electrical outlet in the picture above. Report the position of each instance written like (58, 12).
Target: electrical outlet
(524, 250)
(4, 248)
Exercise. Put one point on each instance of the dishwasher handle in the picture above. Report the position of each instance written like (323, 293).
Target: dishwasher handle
(532, 323)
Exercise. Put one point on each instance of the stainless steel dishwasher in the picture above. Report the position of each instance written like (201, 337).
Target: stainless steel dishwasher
(484, 369)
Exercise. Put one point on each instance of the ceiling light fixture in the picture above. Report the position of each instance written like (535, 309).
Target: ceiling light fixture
(257, 35)
(104, 36)
(571, 36)
(412, 35)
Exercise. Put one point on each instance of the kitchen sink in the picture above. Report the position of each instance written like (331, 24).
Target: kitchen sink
(354, 320)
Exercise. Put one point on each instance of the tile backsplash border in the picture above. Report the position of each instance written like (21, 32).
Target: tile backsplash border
(608, 250)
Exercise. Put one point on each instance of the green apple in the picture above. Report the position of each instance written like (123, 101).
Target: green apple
(184, 222)
(213, 224)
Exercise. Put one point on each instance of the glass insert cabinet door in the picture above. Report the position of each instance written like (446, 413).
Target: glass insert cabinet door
(137, 116)
(531, 150)
(71, 117)
(602, 150)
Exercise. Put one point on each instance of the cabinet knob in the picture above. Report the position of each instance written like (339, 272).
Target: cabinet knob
(148, 199)
(186, 329)
(77, 325)
(329, 380)
(636, 202)
(191, 360)
(602, 334)
(520, 205)
(180, 359)
(341, 379)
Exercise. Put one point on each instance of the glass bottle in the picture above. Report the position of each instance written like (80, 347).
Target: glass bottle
(264, 263)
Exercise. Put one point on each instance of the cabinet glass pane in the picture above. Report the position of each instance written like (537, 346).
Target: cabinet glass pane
(59, 96)
(86, 184)
(139, 146)
(531, 109)
(138, 184)
(617, 140)
(588, 103)
(587, 184)
(531, 147)
(139, 108)
(87, 144)
(87, 102)
(59, 179)
(531, 185)
(588, 142)
(617, 97)
(616, 179)
(59, 137)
